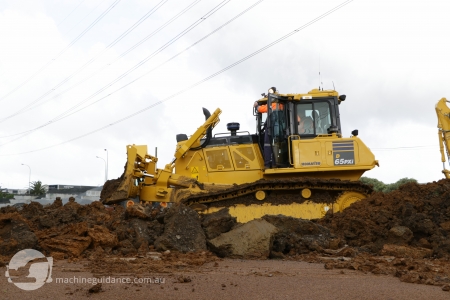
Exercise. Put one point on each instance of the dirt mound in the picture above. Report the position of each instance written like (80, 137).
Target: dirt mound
(15, 234)
(405, 233)
(74, 230)
(182, 231)
(415, 215)
(298, 236)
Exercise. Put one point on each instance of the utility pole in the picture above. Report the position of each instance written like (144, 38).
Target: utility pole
(107, 164)
(29, 179)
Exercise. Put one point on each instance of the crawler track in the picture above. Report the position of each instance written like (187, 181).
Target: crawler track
(280, 191)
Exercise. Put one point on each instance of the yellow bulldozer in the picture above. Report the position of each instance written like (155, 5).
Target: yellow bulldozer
(296, 164)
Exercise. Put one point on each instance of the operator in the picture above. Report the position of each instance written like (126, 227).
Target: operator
(263, 108)
(305, 123)
(276, 134)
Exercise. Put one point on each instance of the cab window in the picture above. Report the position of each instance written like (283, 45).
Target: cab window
(313, 118)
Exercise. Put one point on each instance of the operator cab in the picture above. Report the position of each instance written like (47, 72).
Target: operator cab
(293, 117)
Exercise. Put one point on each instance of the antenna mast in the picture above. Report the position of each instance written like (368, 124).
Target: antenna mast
(320, 78)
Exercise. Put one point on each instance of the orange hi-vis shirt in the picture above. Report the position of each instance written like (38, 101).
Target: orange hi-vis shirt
(263, 108)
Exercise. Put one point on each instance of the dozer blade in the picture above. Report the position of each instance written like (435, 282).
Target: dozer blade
(116, 190)
(123, 188)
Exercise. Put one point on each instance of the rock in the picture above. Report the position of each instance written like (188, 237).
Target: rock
(446, 288)
(404, 251)
(217, 223)
(102, 237)
(184, 279)
(182, 231)
(96, 288)
(144, 232)
(15, 234)
(424, 243)
(276, 255)
(126, 247)
(138, 211)
(153, 255)
(251, 240)
(400, 235)
(446, 226)
(410, 277)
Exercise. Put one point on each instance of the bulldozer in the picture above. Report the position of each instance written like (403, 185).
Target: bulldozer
(443, 115)
(297, 163)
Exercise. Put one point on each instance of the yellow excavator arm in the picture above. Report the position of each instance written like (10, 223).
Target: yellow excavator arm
(443, 115)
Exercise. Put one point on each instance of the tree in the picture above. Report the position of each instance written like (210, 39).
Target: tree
(37, 189)
(379, 186)
(4, 196)
(394, 186)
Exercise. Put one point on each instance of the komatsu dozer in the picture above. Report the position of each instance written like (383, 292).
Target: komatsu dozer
(443, 115)
(297, 163)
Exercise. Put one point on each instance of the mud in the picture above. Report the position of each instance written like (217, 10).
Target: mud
(15, 233)
(329, 190)
(110, 187)
(297, 236)
(182, 231)
(415, 215)
(217, 223)
(405, 233)
(279, 191)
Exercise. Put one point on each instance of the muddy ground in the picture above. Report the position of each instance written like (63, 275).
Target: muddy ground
(226, 279)
(405, 234)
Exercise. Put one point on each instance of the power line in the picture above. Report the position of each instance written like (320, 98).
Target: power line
(124, 34)
(62, 51)
(67, 112)
(168, 60)
(70, 13)
(195, 84)
(96, 72)
(24, 133)
(142, 62)
(82, 19)
(423, 147)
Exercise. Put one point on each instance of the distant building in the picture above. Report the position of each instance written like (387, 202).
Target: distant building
(65, 191)
(93, 194)
(83, 194)
(17, 191)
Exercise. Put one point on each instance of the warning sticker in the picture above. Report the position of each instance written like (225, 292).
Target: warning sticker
(194, 172)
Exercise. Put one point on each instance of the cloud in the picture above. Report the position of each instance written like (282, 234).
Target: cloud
(389, 58)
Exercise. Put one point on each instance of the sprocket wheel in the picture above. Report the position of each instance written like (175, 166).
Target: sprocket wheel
(346, 199)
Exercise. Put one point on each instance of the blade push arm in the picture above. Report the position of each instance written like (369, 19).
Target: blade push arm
(211, 122)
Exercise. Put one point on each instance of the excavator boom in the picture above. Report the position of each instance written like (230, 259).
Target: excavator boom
(443, 115)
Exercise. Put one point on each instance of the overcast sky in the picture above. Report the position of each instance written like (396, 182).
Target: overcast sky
(71, 71)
